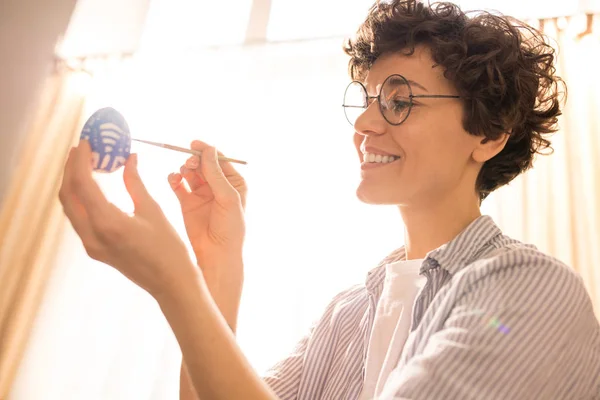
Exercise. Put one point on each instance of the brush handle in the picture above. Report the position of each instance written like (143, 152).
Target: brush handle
(188, 151)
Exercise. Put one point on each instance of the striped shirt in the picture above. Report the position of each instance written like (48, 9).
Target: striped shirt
(497, 319)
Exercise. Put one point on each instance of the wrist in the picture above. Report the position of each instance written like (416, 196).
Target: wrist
(224, 281)
(222, 273)
(215, 260)
(191, 291)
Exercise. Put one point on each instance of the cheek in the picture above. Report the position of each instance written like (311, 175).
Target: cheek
(435, 154)
(448, 163)
(441, 133)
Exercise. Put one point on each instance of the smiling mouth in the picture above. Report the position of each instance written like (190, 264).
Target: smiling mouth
(370, 158)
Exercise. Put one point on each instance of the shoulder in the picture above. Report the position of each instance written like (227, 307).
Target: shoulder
(511, 257)
(348, 301)
(511, 272)
(348, 296)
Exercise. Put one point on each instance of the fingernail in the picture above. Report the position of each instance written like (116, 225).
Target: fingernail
(192, 162)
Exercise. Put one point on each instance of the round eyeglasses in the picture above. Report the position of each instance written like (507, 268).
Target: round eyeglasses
(395, 99)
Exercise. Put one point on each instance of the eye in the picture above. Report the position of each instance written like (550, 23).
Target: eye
(399, 105)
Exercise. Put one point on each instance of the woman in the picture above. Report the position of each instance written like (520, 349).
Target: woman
(446, 108)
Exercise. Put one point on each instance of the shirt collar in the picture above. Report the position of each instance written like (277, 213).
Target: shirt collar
(464, 248)
(452, 256)
(376, 276)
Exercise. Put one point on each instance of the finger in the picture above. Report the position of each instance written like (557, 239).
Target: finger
(226, 166)
(85, 187)
(221, 188)
(193, 174)
(192, 163)
(177, 184)
(193, 177)
(73, 210)
(142, 200)
(188, 174)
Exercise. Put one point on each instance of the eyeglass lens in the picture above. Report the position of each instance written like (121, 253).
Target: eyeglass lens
(394, 100)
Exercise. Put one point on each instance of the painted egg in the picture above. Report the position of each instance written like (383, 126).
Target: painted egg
(108, 134)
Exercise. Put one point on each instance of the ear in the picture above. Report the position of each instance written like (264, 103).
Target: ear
(487, 148)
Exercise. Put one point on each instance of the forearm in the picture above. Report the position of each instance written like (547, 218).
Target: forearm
(186, 387)
(216, 365)
(225, 291)
(225, 288)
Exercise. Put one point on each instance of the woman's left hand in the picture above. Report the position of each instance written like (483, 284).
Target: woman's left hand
(144, 246)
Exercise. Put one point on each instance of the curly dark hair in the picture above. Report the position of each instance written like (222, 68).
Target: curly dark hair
(502, 68)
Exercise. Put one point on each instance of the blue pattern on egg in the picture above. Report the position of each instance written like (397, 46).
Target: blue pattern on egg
(108, 134)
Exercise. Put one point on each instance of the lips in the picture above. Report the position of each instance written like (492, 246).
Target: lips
(370, 149)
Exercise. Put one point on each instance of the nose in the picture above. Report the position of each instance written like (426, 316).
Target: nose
(370, 122)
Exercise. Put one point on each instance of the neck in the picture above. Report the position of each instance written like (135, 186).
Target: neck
(428, 226)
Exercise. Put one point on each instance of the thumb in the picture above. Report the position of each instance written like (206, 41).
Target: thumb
(220, 186)
(136, 188)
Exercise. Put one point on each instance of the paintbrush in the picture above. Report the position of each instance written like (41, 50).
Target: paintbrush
(189, 151)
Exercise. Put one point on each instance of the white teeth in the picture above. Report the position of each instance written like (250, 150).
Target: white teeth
(378, 158)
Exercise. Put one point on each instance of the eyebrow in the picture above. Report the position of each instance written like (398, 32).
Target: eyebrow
(417, 84)
(411, 83)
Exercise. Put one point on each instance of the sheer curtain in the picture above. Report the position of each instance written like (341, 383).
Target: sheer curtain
(278, 106)
(31, 219)
(556, 205)
(97, 336)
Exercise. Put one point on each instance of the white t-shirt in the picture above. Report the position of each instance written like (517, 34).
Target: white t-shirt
(392, 323)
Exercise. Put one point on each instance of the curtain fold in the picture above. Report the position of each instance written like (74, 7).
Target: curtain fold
(31, 219)
(556, 205)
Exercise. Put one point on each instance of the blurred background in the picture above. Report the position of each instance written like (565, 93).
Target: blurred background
(262, 80)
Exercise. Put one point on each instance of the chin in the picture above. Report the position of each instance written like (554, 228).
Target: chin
(381, 196)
